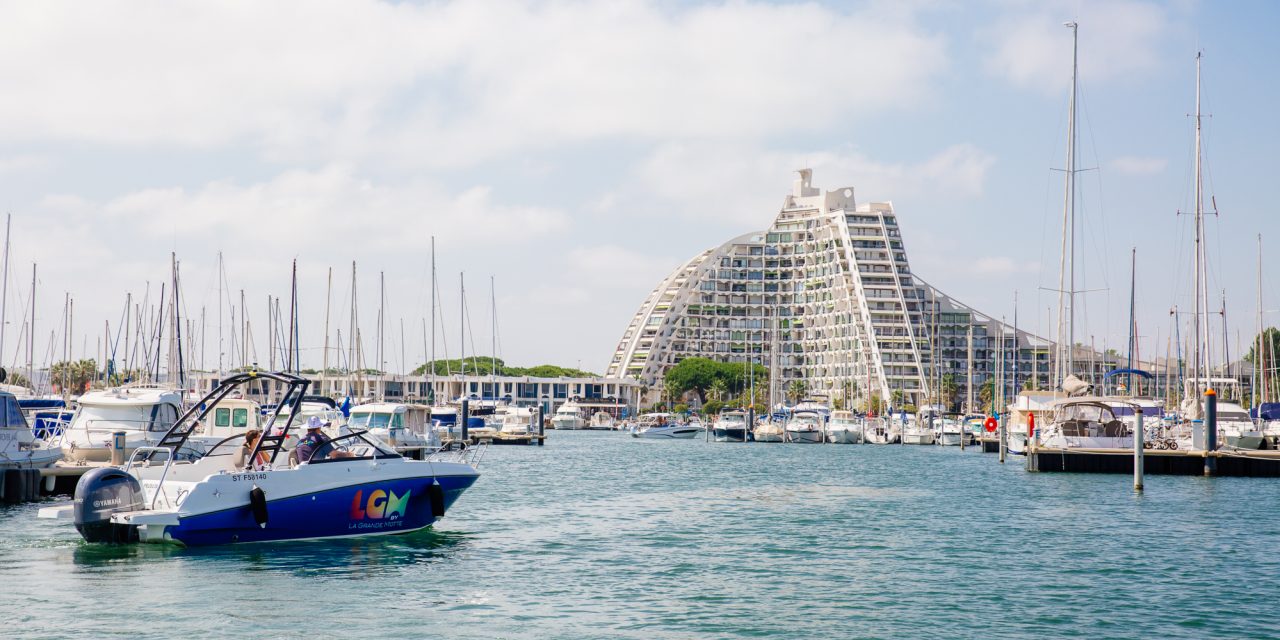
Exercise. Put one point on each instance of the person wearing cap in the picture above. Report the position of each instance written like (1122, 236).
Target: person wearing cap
(315, 443)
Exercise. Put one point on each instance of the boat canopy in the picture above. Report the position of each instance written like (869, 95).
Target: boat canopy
(1134, 372)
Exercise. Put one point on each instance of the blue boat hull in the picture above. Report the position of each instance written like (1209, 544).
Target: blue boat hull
(375, 508)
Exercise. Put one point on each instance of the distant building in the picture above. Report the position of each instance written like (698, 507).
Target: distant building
(827, 300)
(597, 394)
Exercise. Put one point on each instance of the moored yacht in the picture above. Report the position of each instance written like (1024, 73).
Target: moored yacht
(731, 426)
(949, 432)
(768, 431)
(1086, 422)
(880, 430)
(805, 427)
(142, 413)
(404, 427)
(19, 447)
(844, 428)
(568, 416)
(1236, 429)
(663, 426)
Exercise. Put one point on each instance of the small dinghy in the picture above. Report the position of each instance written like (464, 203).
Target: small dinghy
(354, 485)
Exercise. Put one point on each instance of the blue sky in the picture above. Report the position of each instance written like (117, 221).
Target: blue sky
(577, 152)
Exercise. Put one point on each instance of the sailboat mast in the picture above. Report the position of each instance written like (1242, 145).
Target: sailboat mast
(31, 332)
(1066, 258)
(493, 341)
(1260, 373)
(462, 322)
(4, 286)
(432, 397)
(1201, 326)
(1133, 329)
(324, 365)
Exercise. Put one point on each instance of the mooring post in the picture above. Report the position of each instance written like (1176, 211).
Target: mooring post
(542, 426)
(463, 418)
(1000, 438)
(1137, 450)
(1210, 432)
(117, 448)
(751, 423)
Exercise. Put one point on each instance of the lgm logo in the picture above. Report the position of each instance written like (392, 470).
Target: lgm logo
(383, 506)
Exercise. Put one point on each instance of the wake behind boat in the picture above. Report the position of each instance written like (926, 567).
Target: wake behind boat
(353, 485)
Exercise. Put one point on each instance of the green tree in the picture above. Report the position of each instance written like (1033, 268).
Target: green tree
(797, 390)
(950, 390)
(986, 392)
(73, 376)
(18, 379)
(718, 389)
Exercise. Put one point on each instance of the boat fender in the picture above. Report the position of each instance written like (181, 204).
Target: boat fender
(258, 504)
(436, 493)
(100, 493)
(15, 485)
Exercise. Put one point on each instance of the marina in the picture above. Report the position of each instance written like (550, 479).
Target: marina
(644, 320)
(696, 538)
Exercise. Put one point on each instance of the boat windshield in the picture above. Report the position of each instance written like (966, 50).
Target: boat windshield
(734, 418)
(1085, 413)
(137, 417)
(370, 420)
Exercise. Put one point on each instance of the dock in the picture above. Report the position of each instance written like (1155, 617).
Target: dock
(990, 444)
(1236, 463)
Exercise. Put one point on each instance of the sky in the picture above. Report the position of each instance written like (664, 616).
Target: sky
(576, 152)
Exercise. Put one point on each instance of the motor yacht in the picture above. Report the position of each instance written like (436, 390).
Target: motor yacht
(663, 426)
(844, 428)
(518, 421)
(568, 416)
(19, 446)
(731, 426)
(769, 431)
(806, 427)
(601, 421)
(404, 427)
(360, 487)
(917, 432)
(1236, 429)
(881, 430)
(142, 413)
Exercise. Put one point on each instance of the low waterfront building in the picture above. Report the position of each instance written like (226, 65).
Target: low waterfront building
(611, 395)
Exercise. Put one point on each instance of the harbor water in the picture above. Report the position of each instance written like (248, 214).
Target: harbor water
(601, 535)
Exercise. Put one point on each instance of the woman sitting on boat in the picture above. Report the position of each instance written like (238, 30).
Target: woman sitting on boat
(242, 461)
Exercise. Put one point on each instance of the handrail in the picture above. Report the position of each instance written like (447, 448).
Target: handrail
(164, 474)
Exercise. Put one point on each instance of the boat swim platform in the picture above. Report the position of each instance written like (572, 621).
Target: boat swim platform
(1235, 463)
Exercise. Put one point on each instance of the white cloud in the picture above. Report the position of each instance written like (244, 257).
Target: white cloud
(1139, 165)
(1118, 39)
(446, 84)
(730, 182)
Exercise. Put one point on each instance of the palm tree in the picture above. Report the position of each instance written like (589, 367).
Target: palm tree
(717, 389)
(949, 389)
(797, 390)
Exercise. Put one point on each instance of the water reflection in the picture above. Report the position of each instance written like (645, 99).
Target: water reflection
(350, 557)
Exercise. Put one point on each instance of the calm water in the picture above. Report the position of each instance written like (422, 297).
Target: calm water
(600, 535)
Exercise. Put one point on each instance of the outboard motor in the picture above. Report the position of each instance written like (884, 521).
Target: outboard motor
(100, 493)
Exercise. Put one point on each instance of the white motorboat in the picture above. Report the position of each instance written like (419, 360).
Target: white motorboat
(806, 427)
(731, 426)
(601, 421)
(663, 426)
(915, 432)
(949, 432)
(880, 430)
(142, 413)
(518, 421)
(1086, 422)
(1236, 429)
(19, 447)
(359, 487)
(769, 431)
(404, 427)
(568, 416)
(844, 428)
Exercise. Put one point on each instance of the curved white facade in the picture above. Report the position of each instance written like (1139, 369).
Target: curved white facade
(825, 296)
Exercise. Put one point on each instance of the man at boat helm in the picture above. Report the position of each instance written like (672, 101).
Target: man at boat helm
(316, 444)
